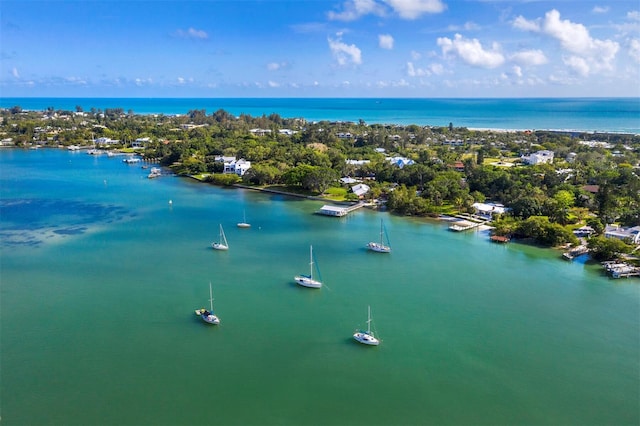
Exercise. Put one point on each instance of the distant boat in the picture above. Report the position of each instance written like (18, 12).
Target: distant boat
(208, 315)
(155, 172)
(131, 160)
(366, 337)
(222, 242)
(380, 247)
(244, 223)
(307, 280)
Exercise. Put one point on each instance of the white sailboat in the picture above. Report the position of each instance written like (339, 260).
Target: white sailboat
(308, 280)
(366, 337)
(380, 247)
(222, 242)
(208, 315)
(244, 223)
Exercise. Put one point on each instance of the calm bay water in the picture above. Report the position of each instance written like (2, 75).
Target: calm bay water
(580, 114)
(100, 276)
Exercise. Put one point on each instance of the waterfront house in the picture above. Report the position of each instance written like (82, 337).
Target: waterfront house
(584, 231)
(106, 141)
(360, 190)
(488, 210)
(238, 167)
(140, 142)
(625, 234)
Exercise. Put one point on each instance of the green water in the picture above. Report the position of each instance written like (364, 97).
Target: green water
(100, 276)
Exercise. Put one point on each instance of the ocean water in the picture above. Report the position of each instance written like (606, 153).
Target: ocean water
(100, 276)
(579, 114)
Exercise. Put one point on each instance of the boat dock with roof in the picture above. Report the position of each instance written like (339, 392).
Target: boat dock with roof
(338, 211)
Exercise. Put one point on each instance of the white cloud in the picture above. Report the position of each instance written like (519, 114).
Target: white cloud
(273, 84)
(192, 33)
(275, 66)
(517, 70)
(433, 69)
(633, 15)
(343, 53)
(412, 71)
(468, 26)
(415, 55)
(471, 51)
(596, 54)
(436, 69)
(525, 25)
(140, 81)
(634, 49)
(15, 73)
(354, 9)
(412, 9)
(179, 79)
(600, 9)
(529, 57)
(385, 41)
(578, 65)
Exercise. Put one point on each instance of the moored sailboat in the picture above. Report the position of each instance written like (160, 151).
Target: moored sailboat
(222, 242)
(367, 337)
(308, 280)
(380, 247)
(207, 315)
(244, 223)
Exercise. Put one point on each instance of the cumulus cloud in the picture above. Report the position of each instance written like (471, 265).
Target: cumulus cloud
(529, 57)
(406, 9)
(517, 70)
(192, 33)
(471, 51)
(354, 9)
(634, 15)
(413, 9)
(385, 41)
(578, 65)
(412, 71)
(600, 9)
(344, 54)
(273, 84)
(586, 52)
(15, 73)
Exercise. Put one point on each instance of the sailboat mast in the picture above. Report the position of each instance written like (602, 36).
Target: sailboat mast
(311, 262)
(368, 320)
(381, 233)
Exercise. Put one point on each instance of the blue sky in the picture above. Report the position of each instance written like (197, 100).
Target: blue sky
(320, 48)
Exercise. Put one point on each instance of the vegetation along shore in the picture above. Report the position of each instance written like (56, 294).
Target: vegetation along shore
(579, 191)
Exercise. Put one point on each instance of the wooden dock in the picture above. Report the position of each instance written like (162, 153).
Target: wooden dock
(621, 270)
(575, 252)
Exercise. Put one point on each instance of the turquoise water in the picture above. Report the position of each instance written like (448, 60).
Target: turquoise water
(100, 277)
(581, 114)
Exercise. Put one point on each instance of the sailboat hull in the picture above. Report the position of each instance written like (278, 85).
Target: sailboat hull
(379, 248)
(306, 281)
(366, 338)
(219, 246)
(207, 317)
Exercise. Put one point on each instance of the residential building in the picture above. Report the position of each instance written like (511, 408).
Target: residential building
(628, 234)
(540, 157)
